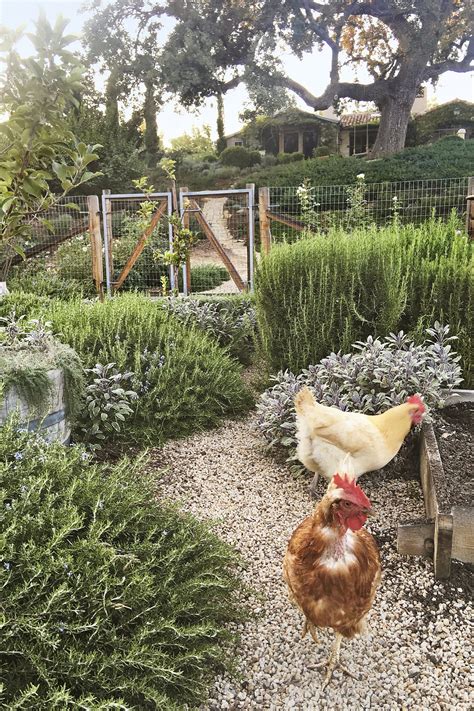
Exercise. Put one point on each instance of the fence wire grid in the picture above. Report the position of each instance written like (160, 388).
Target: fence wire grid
(128, 219)
(57, 250)
(228, 218)
(318, 208)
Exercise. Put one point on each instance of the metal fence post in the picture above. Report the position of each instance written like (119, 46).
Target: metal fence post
(470, 208)
(263, 209)
(173, 285)
(106, 216)
(96, 244)
(185, 220)
(251, 243)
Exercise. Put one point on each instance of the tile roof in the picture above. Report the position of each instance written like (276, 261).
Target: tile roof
(359, 119)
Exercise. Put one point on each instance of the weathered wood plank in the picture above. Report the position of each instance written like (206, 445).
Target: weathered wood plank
(206, 228)
(443, 543)
(96, 244)
(428, 461)
(264, 221)
(416, 538)
(470, 208)
(140, 246)
(285, 220)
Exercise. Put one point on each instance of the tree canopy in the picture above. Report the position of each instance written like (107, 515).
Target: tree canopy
(399, 43)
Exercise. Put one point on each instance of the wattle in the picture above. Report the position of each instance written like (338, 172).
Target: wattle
(356, 522)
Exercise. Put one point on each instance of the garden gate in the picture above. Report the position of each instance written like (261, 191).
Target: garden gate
(135, 227)
(222, 260)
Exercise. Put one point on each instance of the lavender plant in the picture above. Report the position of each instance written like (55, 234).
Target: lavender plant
(380, 373)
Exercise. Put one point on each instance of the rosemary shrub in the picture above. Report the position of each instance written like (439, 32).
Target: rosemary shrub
(110, 599)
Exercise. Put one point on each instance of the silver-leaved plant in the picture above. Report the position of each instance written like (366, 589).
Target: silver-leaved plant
(380, 373)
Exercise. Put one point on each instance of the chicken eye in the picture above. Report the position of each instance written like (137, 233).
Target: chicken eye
(347, 504)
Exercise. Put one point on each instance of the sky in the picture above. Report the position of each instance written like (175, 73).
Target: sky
(312, 71)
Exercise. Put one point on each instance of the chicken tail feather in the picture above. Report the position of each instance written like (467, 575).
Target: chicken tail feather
(304, 401)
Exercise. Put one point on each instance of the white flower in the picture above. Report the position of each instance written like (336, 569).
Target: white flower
(395, 199)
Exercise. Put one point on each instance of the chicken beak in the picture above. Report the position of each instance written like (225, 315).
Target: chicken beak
(368, 512)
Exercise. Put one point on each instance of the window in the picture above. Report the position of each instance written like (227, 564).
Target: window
(238, 143)
(361, 139)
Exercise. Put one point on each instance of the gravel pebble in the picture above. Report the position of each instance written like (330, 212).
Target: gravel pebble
(418, 652)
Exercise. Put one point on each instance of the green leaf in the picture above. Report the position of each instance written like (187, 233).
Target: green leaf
(19, 250)
(32, 187)
(7, 204)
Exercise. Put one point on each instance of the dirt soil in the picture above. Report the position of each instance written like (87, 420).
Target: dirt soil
(454, 430)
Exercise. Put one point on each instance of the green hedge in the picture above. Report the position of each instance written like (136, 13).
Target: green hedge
(448, 158)
(323, 294)
(109, 599)
(239, 157)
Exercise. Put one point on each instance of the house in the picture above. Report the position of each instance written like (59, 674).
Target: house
(352, 134)
(290, 131)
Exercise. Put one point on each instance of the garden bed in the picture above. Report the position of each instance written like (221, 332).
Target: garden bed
(445, 454)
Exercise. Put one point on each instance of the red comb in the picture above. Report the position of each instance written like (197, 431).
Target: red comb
(416, 400)
(354, 492)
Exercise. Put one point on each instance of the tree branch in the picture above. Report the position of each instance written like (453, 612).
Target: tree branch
(450, 65)
(358, 92)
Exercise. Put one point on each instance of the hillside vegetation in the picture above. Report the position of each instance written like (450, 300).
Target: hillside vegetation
(448, 158)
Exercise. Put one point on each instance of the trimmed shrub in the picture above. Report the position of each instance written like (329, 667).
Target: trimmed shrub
(323, 294)
(207, 276)
(449, 158)
(239, 157)
(109, 599)
(283, 158)
(321, 151)
(185, 380)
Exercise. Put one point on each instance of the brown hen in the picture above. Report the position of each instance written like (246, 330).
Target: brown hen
(332, 566)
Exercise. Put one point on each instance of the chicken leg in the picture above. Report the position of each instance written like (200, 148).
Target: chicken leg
(308, 626)
(334, 662)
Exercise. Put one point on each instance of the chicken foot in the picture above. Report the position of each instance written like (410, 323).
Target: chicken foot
(334, 662)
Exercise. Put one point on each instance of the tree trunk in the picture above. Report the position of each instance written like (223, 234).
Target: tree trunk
(221, 142)
(395, 116)
(152, 144)
(111, 104)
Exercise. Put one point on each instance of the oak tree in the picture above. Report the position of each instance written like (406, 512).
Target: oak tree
(400, 44)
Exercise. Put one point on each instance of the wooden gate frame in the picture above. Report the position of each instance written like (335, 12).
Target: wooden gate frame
(164, 206)
(188, 204)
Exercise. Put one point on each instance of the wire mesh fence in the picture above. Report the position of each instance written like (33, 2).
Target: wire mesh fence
(309, 208)
(137, 226)
(220, 257)
(57, 252)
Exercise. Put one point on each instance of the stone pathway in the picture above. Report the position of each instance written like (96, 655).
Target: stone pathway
(203, 253)
(419, 647)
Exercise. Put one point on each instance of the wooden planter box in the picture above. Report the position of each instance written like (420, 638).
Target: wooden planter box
(446, 534)
(53, 426)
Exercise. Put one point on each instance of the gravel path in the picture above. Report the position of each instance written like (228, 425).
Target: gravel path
(419, 647)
